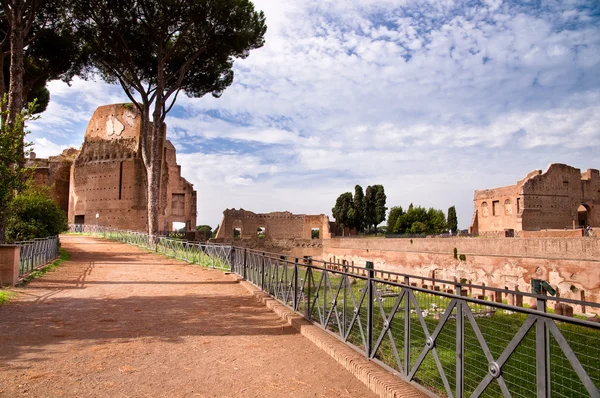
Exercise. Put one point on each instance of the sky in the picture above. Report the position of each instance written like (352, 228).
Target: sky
(430, 98)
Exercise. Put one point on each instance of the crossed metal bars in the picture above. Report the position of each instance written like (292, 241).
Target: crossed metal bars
(214, 256)
(399, 326)
(352, 307)
(37, 252)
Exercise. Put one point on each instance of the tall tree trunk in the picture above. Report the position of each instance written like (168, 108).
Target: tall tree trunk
(156, 142)
(15, 89)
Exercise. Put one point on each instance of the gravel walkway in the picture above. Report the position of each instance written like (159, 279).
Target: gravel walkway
(115, 321)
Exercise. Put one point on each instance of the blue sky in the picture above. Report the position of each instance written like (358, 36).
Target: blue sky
(431, 98)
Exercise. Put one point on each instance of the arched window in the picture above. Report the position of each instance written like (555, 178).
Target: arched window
(507, 207)
(484, 209)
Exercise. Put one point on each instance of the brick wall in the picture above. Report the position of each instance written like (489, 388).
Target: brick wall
(565, 262)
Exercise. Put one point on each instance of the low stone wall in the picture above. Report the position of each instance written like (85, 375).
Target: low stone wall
(553, 233)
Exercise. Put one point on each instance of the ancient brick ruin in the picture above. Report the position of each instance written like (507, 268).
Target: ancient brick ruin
(245, 224)
(55, 173)
(560, 198)
(107, 176)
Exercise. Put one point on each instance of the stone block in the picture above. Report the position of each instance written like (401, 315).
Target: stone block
(9, 264)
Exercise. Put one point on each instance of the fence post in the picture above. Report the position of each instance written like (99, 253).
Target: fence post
(371, 274)
(262, 272)
(542, 352)
(245, 262)
(232, 259)
(406, 327)
(460, 344)
(308, 302)
(296, 284)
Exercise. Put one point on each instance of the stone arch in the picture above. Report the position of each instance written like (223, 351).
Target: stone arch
(485, 211)
(507, 207)
(583, 215)
(237, 229)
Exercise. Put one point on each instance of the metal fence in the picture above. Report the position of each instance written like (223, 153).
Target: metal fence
(427, 331)
(36, 253)
(208, 255)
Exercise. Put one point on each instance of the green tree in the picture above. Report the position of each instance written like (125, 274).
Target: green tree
(34, 214)
(157, 49)
(359, 211)
(369, 207)
(13, 176)
(452, 220)
(51, 48)
(343, 211)
(206, 229)
(380, 209)
(436, 221)
(214, 234)
(395, 213)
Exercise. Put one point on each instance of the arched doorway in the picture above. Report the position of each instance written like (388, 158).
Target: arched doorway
(583, 214)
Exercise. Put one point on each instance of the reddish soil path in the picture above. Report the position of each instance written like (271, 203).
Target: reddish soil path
(118, 322)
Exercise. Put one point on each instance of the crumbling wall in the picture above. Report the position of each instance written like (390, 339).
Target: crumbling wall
(547, 200)
(276, 225)
(54, 173)
(108, 176)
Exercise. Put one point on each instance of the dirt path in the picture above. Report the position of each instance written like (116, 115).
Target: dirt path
(118, 322)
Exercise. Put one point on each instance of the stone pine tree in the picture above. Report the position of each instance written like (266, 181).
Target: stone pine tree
(359, 212)
(343, 211)
(452, 220)
(50, 51)
(158, 49)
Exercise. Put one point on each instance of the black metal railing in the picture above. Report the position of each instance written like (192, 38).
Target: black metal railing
(450, 343)
(36, 253)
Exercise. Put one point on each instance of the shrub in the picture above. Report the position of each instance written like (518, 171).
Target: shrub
(33, 214)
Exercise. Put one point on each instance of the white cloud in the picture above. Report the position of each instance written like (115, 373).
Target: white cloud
(431, 98)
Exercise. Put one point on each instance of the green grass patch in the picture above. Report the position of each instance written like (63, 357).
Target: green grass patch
(5, 296)
(64, 256)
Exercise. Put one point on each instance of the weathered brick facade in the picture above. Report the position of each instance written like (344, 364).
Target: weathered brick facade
(561, 197)
(108, 176)
(276, 225)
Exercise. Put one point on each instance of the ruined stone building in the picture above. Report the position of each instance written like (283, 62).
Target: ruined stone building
(245, 224)
(55, 173)
(562, 197)
(107, 176)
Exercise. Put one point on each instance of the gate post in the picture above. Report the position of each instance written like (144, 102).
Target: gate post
(406, 326)
(542, 352)
(295, 302)
(371, 274)
(245, 262)
(460, 344)
(262, 272)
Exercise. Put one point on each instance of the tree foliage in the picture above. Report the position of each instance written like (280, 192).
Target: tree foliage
(13, 176)
(452, 220)
(359, 209)
(364, 210)
(51, 48)
(370, 214)
(343, 211)
(34, 214)
(416, 220)
(206, 229)
(380, 209)
(156, 49)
